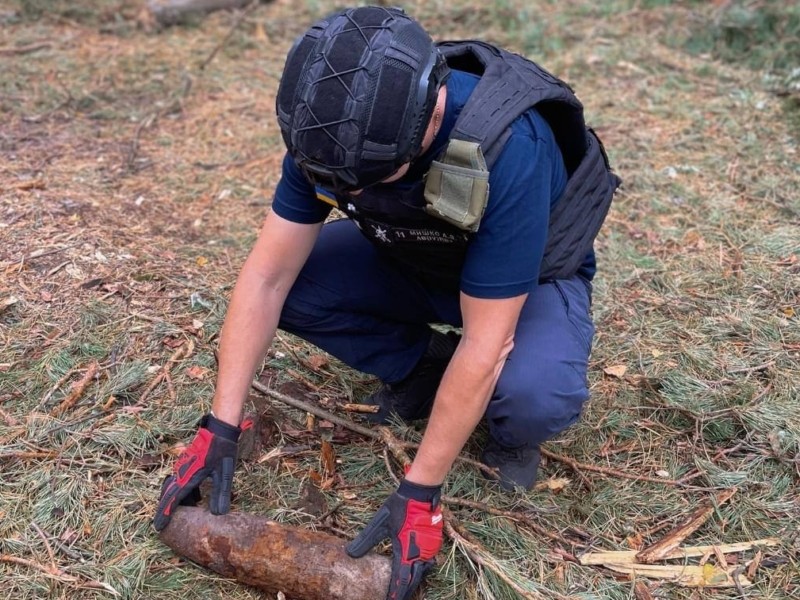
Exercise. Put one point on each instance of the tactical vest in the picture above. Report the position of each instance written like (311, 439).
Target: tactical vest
(426, 228)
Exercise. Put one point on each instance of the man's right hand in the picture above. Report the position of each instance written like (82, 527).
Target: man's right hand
(212, 453)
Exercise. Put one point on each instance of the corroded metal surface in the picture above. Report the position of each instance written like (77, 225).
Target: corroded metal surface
(303, 564)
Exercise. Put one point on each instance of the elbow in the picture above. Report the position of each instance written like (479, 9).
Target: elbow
(488, 357)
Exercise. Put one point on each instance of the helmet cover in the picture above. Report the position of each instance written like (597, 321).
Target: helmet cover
(356, 95)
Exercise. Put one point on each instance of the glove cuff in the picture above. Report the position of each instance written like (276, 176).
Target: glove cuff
(220, 428)
(420, 493)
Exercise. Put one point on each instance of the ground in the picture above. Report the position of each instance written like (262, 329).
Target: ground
(136, 168)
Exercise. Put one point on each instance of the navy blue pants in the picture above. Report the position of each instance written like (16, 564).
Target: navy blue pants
(355, 305)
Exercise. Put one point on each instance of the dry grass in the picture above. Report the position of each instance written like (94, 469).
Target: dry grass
(132, 184)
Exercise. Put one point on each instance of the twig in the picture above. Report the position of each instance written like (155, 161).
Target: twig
(12, 50)
(46, 545)
(329, 512)
(361, 408)
(137, 135)
(42, 253)
(761, 367)
(236, 24)
(510, 514)
(49, 571)
(77, 390)
(360, 429)
(389, 469)
(61, 547)
(173, 395)
(57, 574)
(673, 539)
(28, 455)
(53, 390)
(316, 410)
(577, 467)
(737, 572)
(183, 351)
(478, 554)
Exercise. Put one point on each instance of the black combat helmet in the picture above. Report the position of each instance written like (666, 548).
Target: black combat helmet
(357, 93)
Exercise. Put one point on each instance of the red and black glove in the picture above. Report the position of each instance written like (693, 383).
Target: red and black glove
(412, 519)
(212, 453)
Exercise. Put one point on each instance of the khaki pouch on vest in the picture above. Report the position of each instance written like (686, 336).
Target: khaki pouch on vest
(457, 186)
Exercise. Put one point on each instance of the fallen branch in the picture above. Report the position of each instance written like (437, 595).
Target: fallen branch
(578, 467)
(248, 7)
(77, 390)
(360, 429)
(674, 538)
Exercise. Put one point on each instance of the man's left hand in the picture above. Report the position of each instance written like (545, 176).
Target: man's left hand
(412, 519)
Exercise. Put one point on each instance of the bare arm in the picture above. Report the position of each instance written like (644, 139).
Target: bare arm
(467, 385)
(252, 318)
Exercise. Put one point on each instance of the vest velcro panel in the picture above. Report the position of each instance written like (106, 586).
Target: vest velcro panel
(579, 213)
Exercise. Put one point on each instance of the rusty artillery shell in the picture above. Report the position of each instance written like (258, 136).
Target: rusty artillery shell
(303, 564)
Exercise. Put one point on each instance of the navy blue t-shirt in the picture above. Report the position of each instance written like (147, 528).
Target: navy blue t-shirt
(504, 255)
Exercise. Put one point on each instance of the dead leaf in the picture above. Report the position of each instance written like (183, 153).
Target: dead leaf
(69, 536)
(171, 342)
(197, 372)
(617, 371)
(554, 485)
(6, 302)
(311, 500)
(635, 542)
(559, 573)
(261, 35)
(663, 473)
(317, 361)
(754, 564)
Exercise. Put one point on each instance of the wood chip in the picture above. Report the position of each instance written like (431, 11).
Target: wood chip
(674, 538)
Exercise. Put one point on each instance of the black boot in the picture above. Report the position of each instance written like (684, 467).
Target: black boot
(412, 398)
(517, 467)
